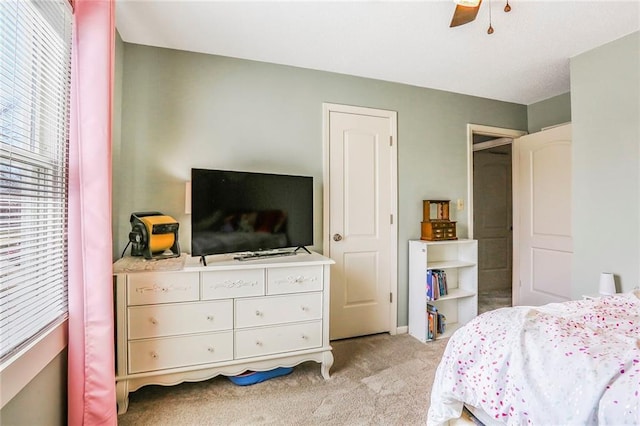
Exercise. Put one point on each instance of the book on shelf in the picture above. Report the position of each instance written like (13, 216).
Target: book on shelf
(436, 284)
(429, 286)
(442, 323)
(431, 326)
(436, 322)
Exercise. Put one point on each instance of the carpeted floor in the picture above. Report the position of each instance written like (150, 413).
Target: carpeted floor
(488, 300)
(375, 380)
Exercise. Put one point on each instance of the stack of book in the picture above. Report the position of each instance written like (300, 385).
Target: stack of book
(436, 284)
(436, 322)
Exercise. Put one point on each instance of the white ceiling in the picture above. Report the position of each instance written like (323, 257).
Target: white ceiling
(526, 59)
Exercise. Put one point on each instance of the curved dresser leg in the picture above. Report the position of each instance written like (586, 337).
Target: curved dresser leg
(327, 362)
(122, 396)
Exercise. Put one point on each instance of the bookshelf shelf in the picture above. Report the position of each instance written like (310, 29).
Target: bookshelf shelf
(459, 260)
(449, 264)
(451, 328)
(455, 293)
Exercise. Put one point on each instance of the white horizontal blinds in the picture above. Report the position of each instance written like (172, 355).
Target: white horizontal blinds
(35, 80)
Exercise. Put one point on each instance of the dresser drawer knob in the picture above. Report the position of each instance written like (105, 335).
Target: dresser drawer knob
(258, 313)
(209, 317)
(305, 337)
(304, 308)
(154, 355)
(258, 343)
(210, 349)
(299, 279)
(153, 321)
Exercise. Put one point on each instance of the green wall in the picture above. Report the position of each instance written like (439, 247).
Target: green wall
(182, 110)
(605, 105)
(549, 112)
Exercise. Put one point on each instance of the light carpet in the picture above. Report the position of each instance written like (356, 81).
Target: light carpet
(488, 300)
(379, 379)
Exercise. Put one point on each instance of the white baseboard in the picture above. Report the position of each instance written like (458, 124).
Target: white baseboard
(402, 330)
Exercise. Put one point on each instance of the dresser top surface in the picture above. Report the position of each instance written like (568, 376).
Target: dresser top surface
(185, 262)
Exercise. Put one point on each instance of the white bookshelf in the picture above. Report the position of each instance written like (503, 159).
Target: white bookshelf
(459, 259)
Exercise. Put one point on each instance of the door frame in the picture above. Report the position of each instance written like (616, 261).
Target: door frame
(327, 108)
(497, 132)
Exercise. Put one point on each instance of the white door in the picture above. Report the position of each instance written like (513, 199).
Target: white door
(492, 222)
(544, 223)
(360, 225)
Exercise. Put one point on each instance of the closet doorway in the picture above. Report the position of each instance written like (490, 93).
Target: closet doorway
(491, 212)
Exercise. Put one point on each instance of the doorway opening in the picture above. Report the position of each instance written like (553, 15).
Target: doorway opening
(491, 212)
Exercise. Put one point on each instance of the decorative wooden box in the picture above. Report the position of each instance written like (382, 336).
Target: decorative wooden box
(440, 227)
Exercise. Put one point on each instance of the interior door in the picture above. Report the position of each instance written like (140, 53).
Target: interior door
(544, 225)
(492, 202)
(361, 228)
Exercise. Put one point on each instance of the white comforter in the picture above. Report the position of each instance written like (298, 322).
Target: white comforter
(564, 363)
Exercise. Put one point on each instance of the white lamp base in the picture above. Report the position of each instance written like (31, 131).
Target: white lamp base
(607, 285)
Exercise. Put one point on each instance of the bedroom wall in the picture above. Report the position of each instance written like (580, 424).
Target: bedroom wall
(549, 112)
(183, 110)
(605, 105)
(43, 401)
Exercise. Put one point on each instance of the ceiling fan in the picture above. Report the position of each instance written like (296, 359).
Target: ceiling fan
(467, 10)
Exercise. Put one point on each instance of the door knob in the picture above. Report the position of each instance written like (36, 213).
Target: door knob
(337, 237)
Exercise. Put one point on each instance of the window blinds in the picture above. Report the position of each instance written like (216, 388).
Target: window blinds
(35, 80)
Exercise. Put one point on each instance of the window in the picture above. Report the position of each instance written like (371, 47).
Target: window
(35, 80)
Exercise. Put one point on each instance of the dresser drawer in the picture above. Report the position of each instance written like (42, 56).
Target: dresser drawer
(183, 351)
(181, 318)
(283, 338)
(278, 309)
(148, 288)
(294, 280)
(229, 284)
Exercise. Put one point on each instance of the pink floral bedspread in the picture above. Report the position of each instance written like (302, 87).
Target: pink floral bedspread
(560, 364)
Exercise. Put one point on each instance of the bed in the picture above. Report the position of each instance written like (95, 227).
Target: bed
(576, 362)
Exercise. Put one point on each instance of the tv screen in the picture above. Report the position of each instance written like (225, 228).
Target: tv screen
(234, 211)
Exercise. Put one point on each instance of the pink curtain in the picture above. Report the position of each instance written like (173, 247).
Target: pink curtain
(91, 372)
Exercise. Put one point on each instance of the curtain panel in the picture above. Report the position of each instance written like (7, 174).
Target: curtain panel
(91, 370)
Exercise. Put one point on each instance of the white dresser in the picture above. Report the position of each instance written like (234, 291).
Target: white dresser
(177, 320)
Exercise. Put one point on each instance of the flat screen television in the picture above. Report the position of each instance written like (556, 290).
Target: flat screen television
(235, 211)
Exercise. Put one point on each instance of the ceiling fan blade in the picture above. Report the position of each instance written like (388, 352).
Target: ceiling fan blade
(464, 14)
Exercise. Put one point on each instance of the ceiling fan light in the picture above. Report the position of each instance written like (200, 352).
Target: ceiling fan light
(467, 3)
